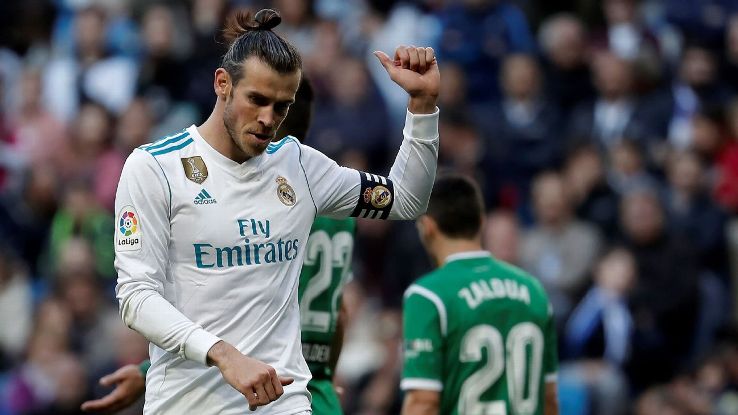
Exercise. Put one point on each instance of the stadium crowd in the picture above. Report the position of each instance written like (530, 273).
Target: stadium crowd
(604, 135)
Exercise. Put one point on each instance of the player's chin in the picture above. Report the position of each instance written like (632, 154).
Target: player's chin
(254, 147)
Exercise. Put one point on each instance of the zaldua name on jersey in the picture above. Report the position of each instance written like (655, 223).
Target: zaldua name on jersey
(252, 252)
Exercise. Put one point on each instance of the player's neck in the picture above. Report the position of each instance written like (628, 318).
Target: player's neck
(448, 247)
(213, 131)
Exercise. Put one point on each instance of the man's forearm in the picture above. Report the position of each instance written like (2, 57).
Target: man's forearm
(148, 313)
(414, 169)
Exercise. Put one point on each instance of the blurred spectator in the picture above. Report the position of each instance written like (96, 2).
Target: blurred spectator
(94, 159)
(25, 216)
(599, 333)
(592, 196)
(664, 324)
(627, 168)
(385, 25)
(297, 23)
(695, 86)
(94, 319)
(91, 73)
(207, 18)
(613, 113)
(567, 73)
(501, 236)
(453, 87)
(625, 33)
(81, 216)
(353, 101)
(40, 137)
(722, 154)
(163, 71)
(134, 128)
(477, 34)
(523, 123)
(381, 394)
(463, 150)
(558, 249)
(730, 56)
(16, 304)
(693, 214)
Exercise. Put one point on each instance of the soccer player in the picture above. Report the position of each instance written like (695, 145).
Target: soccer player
(324, 274)
(478, 333)
(213, 223)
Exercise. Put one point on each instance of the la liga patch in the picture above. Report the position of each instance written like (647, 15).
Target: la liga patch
(128, 233)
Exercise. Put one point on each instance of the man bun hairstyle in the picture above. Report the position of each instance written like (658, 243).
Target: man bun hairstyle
(249, 37)
(456, 206)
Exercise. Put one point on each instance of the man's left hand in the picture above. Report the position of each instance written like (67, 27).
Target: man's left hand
(415, 69)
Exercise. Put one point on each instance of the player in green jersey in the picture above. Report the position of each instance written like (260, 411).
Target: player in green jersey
(325, 272)
(478, 334)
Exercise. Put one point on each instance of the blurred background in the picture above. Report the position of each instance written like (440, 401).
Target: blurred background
(604, 135)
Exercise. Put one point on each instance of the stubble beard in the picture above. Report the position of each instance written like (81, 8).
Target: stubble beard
(228, 122)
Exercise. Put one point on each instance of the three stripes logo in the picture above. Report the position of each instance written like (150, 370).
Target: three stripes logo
(204, 198)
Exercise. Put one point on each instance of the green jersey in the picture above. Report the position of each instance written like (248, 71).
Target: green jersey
(324, 273)
(480, 332)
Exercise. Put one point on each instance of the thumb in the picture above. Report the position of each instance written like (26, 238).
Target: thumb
(286, 381)
(108, 379)
(385, 60)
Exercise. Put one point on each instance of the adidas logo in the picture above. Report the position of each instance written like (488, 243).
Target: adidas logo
(204, 198)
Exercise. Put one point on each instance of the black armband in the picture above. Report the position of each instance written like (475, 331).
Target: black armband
(375, 198)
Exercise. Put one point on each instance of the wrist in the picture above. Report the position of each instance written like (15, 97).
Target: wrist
(422, 104)
(219, 353)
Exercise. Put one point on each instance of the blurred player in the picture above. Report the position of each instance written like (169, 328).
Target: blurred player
(478, 333)
(214, 220)
(324, 273)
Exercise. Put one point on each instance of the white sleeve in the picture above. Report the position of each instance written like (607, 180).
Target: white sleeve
(143, 207)
(340, 191)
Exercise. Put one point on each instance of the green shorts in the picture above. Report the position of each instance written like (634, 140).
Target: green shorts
(325, 399)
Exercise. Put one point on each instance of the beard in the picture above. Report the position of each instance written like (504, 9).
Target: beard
(229, 123)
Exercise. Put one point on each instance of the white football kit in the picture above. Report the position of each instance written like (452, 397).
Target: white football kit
(210, 249)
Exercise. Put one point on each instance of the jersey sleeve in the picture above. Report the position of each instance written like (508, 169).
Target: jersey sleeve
(550, 349)
(422, 343)
(340, 191)
(143, 206)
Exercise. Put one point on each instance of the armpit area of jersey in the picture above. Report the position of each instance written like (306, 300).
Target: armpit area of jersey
(375, 198)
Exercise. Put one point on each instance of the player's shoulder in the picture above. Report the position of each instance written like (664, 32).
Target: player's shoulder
(169, 146)
(287, 145)
(431, 284)
(508, 270)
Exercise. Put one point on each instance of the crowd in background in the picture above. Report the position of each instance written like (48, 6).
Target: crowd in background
(604, 135)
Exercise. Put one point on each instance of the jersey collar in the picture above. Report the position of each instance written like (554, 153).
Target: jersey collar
(238, 169)
(467, 255)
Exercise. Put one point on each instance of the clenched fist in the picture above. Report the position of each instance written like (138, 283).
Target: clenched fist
(415, 70)
(256, 381)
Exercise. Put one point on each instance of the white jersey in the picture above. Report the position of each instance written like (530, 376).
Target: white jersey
(210, 249)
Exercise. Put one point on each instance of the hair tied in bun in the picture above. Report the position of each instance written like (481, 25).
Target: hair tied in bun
(267, 19)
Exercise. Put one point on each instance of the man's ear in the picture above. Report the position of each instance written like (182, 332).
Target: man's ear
(222, 83)
(427, 227)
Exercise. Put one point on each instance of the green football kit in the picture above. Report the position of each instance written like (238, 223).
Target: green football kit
(480, 332)
(325, 271)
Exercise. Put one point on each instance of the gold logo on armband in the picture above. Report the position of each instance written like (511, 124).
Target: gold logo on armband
(381, 197)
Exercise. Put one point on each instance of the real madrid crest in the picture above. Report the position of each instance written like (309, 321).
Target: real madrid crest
(195, 169)
(285, 192)
(378, 196)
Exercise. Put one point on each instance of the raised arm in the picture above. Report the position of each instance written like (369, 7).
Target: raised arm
(339, 192)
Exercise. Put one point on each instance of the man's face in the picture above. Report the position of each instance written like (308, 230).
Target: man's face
(257, 105)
